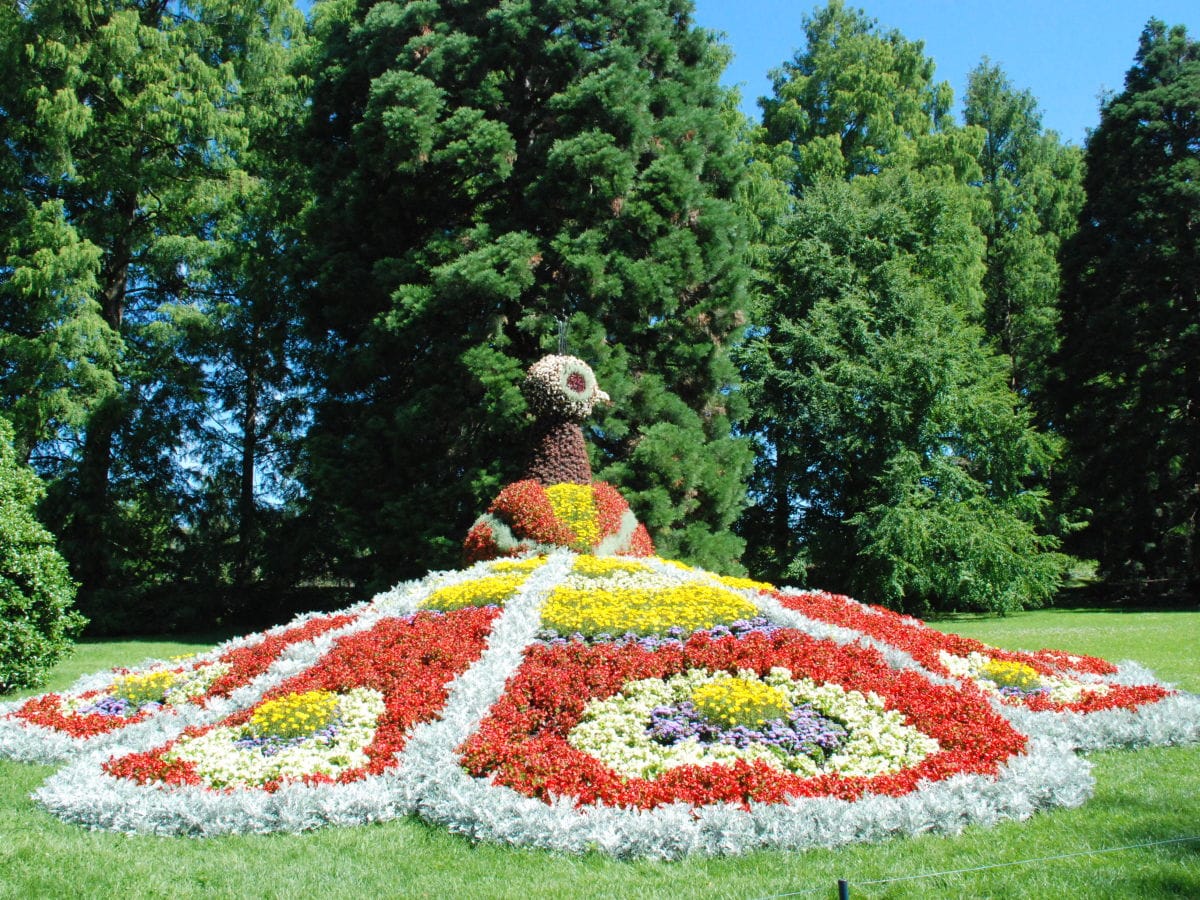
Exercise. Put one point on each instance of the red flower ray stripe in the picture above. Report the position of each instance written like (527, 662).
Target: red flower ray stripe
(610, 507)
(924, 643)
(522, 742)
(247, 664)
(410, 660)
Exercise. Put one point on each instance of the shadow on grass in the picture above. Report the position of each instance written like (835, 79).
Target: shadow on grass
(197, 638)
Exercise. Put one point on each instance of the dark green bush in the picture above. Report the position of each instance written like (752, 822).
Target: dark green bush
(37, 621)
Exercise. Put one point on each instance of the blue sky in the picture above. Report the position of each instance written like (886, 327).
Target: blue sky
(1066, 52)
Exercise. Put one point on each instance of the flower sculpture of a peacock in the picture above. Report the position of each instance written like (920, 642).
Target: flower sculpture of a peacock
(570, 690)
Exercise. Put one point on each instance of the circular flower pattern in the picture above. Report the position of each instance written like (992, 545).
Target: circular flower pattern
(284, 741)
(699, 718)
(576, 701)
(589, 734)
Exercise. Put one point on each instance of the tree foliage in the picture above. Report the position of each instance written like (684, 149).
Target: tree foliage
(36, 590)
(852, 98)
(480, 173)
(1128, 397)
(895, 462)
(128, 127)
(1033, 187)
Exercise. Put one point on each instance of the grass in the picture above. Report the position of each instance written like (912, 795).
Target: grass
(1141, 797)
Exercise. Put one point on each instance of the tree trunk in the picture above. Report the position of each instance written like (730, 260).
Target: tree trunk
(90, 525)
(246, 505)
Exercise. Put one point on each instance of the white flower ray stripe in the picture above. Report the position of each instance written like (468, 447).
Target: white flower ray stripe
(431, 751)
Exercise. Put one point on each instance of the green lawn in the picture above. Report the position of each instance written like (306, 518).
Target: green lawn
(1141, 797)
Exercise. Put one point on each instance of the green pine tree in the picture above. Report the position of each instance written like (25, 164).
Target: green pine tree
(482, 172)
(1127, 398)
(127, 122)
(1033, 186)
(895, 461)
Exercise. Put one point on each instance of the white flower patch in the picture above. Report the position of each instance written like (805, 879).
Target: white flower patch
(638, 576)
(878, 741)
(614, 730)
(185, 686)
(221, 763)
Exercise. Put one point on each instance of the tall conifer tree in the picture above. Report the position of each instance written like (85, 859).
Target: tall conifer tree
(484, 170)
(1033, 186)
(1129, 394)
(895, 462)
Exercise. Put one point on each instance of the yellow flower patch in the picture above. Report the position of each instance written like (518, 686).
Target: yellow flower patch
(1011, 674)
(518, 565)
(296, 715)
(494, 590)
(144, 687)
(573, 504)
(603, 566)
(736, 701)
(643, 611)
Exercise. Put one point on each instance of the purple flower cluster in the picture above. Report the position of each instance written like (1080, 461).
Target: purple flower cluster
(672, 637)
(1011, 690)
(269, 745)
(116, 706)
(805, 733)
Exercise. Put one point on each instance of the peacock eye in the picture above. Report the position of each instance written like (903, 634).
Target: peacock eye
(561, 387)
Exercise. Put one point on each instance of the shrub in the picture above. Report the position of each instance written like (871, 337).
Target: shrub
(37, 621)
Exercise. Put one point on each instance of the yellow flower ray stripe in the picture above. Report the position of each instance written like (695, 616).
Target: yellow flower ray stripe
(574, 505)
(492, 590)
(642, 611)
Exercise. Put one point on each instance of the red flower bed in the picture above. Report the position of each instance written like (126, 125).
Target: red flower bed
(410, 660)
(522, 743)
(924, 644)
(46, 710)
(145, 768)
(247, 663)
